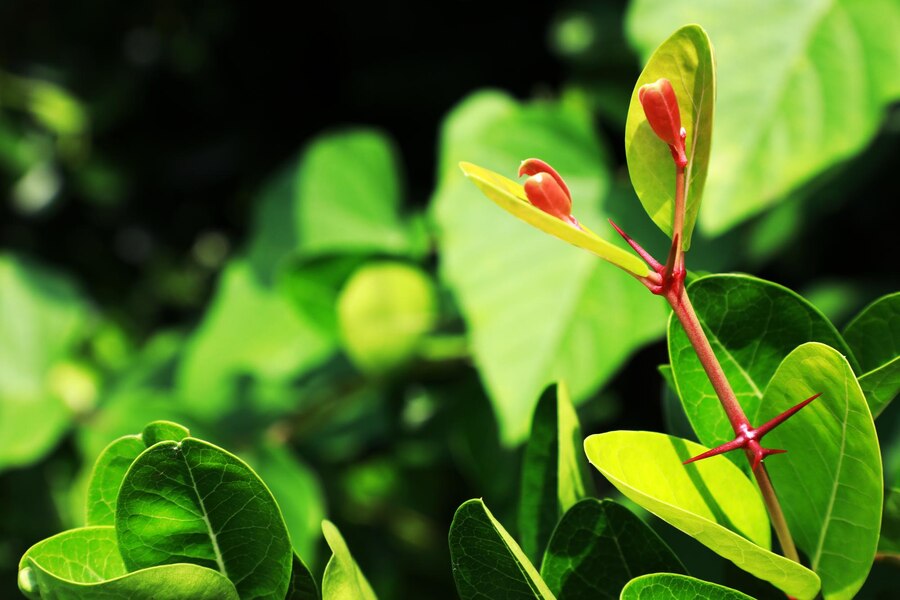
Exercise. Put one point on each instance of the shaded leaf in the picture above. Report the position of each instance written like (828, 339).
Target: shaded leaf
(487, 562)
(667, 586)
(554, 473)
(710, 500)
(107, 476)
(302, 585)
(752, 325)
(343, 577)
(42, 315)
(874, 337)
(686, 59)
(830, 482)
(84, 564)
(809, 93)
(598, 547)
(190, 501)
(519, 289)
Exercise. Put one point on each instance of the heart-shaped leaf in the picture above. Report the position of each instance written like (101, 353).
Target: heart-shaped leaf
(752, 325)
(668, 586)
(343, 577)
(520, 289)
(686, 59)
(874, 337)
(190, 501)
(84, 564)
(554, 473)
(598, 547)
(807, 94)
(710, 500)
(830, 481)
(487, 561)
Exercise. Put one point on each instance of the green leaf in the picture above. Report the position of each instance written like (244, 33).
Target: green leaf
(341, 196)
(487, 562)
(686, 59)
(302, 585)
(554, 474)
(598, 547)
(112, 464)
(343, 577)
(107, 476)
(809, 93)
(874, 337)
(537, 310)
(193, 502)
(277, 344)
(84, 564)
(296, 490)
(510, 196)
(710, 500)
(752, 325)
(666, 586)
(830, 481)
(42, 316)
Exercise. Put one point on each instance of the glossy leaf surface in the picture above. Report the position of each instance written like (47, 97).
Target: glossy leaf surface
(809, 93)
(752, 325)
(830, 481)
(487, 562)
(710, 500)
(343, 577)
(190, 501)
(874, 337)
(598, 547)
(686, 59)
(667, 586)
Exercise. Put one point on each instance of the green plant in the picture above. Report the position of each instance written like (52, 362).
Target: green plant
(751, 349)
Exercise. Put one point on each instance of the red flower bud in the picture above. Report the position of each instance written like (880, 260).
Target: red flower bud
(661, 107)
(533, 166)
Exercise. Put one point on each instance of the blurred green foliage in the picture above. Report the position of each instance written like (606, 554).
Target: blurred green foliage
(204, 222)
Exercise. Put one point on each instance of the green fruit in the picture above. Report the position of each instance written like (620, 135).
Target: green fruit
(384, 311)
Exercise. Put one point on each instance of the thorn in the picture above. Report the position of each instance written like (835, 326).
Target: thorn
(772, 424)
(652, 262)
(734, 444)
(670, 261)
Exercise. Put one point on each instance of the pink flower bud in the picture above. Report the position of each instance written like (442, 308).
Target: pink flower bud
(544, 192)
(661, 107)
(533, 166)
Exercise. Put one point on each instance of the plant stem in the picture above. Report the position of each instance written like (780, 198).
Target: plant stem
(684, 312)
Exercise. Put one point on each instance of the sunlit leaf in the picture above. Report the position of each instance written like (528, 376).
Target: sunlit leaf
(190, 501)
(84, 564)
(343, 577)
(537, 309)
(809, 93)
(830, 481)
(487, 562)
(710, 500)
(686, 59)
(598, 547)
(667, 586)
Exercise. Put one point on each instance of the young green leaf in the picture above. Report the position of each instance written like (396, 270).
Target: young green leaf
(554, 472)
(84, 564)
(598, 547)
(830, 481)
(302, 585)
(41, 317)
(112, 464)
(806, 95)
(752, 325)
(193, 502)
(487, 562)
(667, 586)
(874, 337)
(343, 577)
(520, 289)
(711, 500)
(686, 59)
